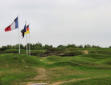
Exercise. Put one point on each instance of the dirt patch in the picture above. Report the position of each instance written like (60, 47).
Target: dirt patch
(73, 80)
(41, 74)
(40, 78)
(76, 80)
(85, 52)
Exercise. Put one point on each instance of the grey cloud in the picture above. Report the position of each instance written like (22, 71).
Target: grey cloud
(59, 21)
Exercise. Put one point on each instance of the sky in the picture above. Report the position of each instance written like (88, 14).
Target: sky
(57, 22)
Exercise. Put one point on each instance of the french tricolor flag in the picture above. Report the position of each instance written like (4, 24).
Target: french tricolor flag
(13, 26)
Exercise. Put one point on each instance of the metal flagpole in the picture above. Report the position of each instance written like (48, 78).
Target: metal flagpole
(26, 46)
(29, 45)
(26, 41)
(19, 34)
(29, 41)
(19, 43)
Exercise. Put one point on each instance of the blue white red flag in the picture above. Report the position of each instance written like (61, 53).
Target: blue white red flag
(13, 26)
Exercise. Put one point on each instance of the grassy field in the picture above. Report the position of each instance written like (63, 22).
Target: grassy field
(16, 68)
(90, 69)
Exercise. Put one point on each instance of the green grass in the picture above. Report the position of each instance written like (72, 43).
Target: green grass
(92, 68)
(15, 78)
(95, 81)
(87, 66)
(17, 68)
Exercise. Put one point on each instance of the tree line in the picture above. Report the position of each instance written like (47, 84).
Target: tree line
(39, 49)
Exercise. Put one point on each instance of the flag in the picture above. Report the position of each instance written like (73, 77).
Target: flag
(23, 30)
(13, 26)
(27, 30)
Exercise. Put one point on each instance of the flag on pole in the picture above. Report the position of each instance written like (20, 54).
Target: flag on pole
(13, 26)
(25, 30)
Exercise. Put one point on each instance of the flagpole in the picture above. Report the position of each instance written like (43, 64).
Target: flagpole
(19, 43)
(29, 45)
(26, 46)
(26, 41)
(19, 36)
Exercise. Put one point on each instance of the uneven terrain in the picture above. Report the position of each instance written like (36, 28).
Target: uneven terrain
(87, 69)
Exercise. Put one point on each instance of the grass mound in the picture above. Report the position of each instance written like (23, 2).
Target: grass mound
(14, 59)
(96, 81)
(17, 68)
(97, 56)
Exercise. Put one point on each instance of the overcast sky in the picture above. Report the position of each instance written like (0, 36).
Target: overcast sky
(58, 22)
